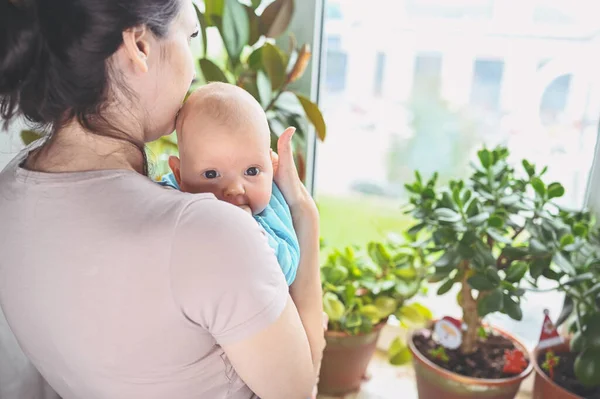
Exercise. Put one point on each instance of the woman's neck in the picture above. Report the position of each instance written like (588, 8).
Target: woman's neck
(73, 149)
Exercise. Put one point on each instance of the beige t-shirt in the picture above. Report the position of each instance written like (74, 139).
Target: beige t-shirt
(118, 288)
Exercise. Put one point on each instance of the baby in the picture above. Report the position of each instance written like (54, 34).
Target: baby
(225, 149)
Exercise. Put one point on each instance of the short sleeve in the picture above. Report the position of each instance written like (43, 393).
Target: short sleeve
(224, 275)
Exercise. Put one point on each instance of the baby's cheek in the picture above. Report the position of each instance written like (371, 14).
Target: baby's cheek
(260, 197)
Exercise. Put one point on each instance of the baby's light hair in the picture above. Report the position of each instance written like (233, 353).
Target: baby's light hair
(222, 103)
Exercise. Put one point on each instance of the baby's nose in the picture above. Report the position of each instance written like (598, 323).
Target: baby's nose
(234, 188)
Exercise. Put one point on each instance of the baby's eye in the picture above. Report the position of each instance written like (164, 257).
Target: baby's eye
(252, 171)
(211, 174)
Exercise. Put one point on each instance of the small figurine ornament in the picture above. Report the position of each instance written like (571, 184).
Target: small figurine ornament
(549, 335)
(448, 332)
(514, 362)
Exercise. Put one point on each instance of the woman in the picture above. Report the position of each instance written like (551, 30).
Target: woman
(113, 286)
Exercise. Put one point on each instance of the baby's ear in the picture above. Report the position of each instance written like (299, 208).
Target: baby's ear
(174, 163)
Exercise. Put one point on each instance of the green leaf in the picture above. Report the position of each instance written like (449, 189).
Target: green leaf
(333, 307)
(496, 221)
(413, 316)
(592, 291)
(447, 286)
(264, 88)
(371, 312)
(386, 306)
(481, 283)
(398, 353)
(555, 190)
(490, 303)
(587, 367)
(353, 320)
(276, 18)
(211, 72)
(414, 230)
(256, 3)
(212, 9)
(478, 220)
(407, 289)
(255, 59)
(516, 271)
(485, 157)
(529, 168)
(406, 273)
(512, 308)
(235, 29)
(538, 266)
(509, 200)
(567, 239)
(473, 208)
(538, 186)
(498, 236)
(336, 274)
(203, 26)
(29, 136)
(515, 252)
(313, 113)
(274, 65)
(563, 263)
(447, 215)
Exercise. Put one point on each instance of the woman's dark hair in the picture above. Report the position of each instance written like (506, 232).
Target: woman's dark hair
(53, 57)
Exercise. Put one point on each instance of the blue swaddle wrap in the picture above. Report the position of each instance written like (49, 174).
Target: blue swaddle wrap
(276, 220)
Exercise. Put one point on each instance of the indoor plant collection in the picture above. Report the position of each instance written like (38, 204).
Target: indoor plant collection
(488, 239)
(362, 287)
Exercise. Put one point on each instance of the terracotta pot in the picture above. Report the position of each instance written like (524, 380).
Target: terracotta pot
(345, 360)
(434, 382)
(544, 387)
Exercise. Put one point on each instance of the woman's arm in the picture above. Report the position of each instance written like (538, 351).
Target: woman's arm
(306, 290)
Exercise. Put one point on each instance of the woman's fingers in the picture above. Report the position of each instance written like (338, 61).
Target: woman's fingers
(286, 156)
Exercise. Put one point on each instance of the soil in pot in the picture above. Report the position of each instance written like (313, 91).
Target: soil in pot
(565, 376)
(487, 362)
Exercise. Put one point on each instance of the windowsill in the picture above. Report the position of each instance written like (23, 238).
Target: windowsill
(385, 380)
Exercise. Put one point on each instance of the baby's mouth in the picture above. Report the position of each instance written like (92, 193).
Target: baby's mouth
(246, 208)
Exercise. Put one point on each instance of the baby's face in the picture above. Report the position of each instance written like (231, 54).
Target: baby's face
(232, 163)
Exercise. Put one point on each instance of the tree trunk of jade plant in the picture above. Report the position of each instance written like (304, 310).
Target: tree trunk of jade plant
(470, 315)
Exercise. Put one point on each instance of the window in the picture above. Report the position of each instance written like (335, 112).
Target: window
(487, 83)
(427, 94)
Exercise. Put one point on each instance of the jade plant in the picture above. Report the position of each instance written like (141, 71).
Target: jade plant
(574, 245)
(478, 231)
(363, 286)
(254, 61)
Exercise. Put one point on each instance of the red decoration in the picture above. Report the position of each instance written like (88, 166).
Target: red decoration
(514, 362)
(549, 335)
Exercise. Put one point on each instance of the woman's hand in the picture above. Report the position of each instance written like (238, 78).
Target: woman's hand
(286, 175)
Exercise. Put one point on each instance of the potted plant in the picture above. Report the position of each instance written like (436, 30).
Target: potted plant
(478, 230)
(362, 287)
(571, 369)
(252, 60)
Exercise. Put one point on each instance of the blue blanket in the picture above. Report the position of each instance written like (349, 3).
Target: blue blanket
(276, 220)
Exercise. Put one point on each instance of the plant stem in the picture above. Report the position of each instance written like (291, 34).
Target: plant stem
(274, 100)
(470, 316)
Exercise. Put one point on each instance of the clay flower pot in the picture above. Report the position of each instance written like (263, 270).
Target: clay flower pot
(345, 360)
(543, 386)
(434, 382)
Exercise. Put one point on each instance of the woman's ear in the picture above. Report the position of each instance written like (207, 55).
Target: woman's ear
(136, 43)
(174, 164)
